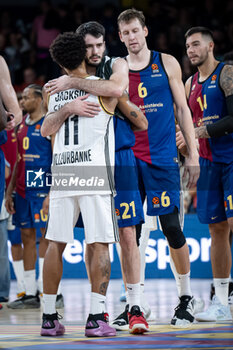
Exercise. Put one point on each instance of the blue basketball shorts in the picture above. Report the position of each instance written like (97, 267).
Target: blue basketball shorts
(29, 213)
(128, 203)
(214, 192)
(161, 186)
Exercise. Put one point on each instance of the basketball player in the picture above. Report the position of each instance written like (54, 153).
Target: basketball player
(127, 202)
(9, 97)
(34, 159)
(3, 116)
(85, 147)
(9, 119)
(210, 97)
(154, 84)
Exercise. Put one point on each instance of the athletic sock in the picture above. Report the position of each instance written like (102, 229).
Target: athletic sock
(97, 303)
(133, 294)
(30, 282)
(173, 268)
(145, 234)
(40, 277)
(184, 282)
(19, 274)
(49, 301)
(221, 289)
(59, 289)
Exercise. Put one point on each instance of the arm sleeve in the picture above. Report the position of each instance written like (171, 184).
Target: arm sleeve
(223, 126)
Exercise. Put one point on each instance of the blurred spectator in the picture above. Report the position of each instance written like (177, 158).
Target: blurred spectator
(17, 53)
(44, 30)
(67, 23)
(29, 77)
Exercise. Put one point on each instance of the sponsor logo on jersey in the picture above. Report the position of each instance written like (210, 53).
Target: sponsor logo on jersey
(37, 127)
(156, 202)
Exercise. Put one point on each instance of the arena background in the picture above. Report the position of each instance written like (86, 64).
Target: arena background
(167, 21)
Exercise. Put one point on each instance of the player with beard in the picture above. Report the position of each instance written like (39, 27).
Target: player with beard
(127, 202)
(210, 97)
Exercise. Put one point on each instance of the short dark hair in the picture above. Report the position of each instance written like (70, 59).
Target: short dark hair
(203, 30)
(93, 28)
(68, 50)
(130, 14)
(37, 89)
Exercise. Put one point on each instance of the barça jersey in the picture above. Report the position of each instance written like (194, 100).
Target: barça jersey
(3, 139)
(34, 160)
(149, 89)
(208, 105)
(10, 151)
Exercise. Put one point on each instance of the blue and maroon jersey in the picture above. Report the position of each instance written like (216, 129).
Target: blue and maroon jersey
(208, 105)
(3, 139)
(10, 151)
(149, 89)
(34, 160)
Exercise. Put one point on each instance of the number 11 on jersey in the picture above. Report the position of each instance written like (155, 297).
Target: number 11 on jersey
(74, 120)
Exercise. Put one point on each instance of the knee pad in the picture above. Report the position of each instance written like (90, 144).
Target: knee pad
(171, 229)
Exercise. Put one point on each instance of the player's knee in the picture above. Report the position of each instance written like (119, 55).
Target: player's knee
(171, 229)
(127, 237)
(175, 236)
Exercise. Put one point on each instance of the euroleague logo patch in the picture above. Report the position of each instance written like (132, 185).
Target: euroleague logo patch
(118, 213)
(213, 79)
(155, 68)
(156, 202)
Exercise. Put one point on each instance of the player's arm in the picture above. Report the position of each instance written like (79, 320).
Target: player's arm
(54, 120)
(183, 116)
(9, 97)
(224, 126)
(9, 203)
(180, 141)
(3, 116)
(114, 87)
(133, 113)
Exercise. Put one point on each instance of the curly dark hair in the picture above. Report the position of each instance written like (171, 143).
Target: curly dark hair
(68, 50)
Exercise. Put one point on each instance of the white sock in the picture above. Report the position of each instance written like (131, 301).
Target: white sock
(127, 297)
(19, 274)
(133, 294)
(145, 234)
(40, 277)
(173, 268)
(30, 282)
(59, 289)
(97, 303)
(184, 282)
(143, 302)
(49, 301)
(221, 289)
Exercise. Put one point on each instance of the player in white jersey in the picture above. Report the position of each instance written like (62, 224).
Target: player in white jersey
(81, 182)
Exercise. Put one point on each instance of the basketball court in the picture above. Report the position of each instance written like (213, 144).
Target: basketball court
(20, 329)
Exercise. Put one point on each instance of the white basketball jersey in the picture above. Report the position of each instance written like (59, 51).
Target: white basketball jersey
(84, 148)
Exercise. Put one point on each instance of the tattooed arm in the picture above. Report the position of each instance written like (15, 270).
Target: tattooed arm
(223, 126)
(133, 113)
